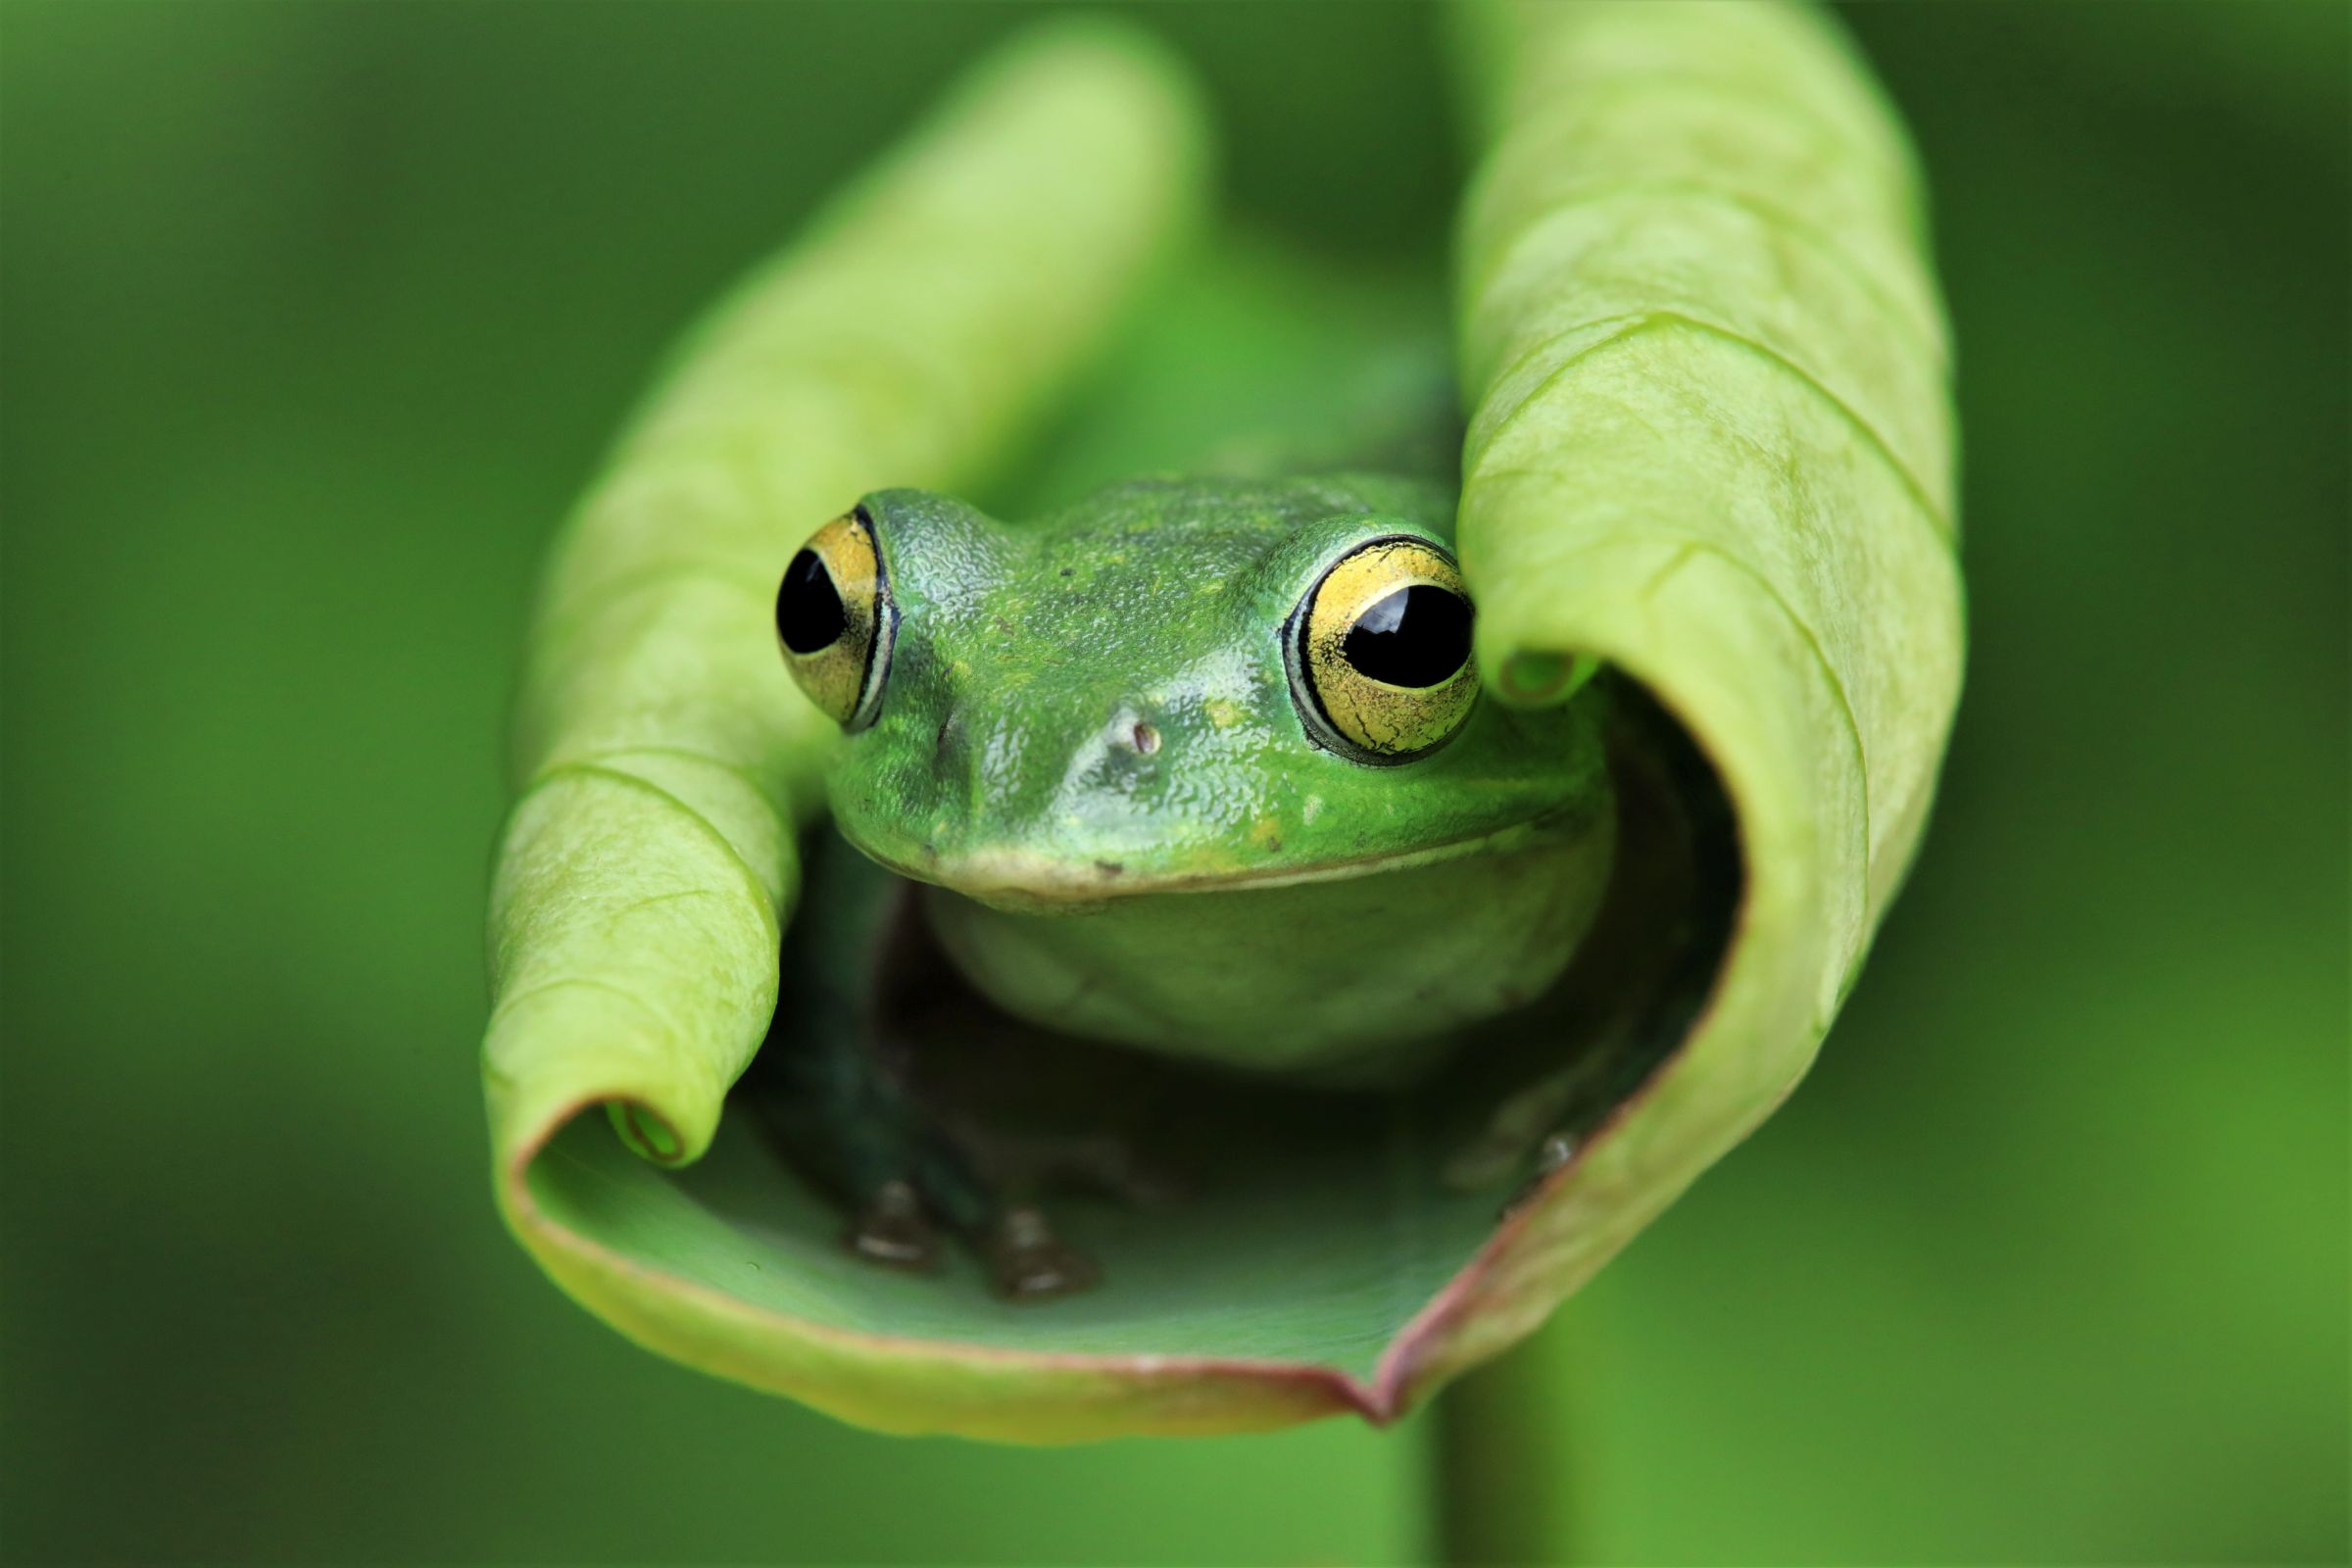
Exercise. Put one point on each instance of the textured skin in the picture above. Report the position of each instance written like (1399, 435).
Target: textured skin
(1092, 735)
(1089, 736)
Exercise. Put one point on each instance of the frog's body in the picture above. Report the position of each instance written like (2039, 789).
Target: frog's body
(1155, 802)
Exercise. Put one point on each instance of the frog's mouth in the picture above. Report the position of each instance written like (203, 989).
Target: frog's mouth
(1034, 880)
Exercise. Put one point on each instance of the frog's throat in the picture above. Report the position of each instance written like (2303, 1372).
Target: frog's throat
(1022, 878)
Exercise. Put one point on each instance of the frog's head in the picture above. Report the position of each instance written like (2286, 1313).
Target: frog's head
(1170, 685)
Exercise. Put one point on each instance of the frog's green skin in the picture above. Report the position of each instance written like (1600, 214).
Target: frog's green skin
(1089, 747)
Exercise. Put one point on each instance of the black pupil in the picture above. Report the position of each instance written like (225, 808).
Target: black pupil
(808, 611)
(1416, 636)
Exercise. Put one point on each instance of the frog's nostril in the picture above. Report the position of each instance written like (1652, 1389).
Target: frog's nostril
(1129, 736)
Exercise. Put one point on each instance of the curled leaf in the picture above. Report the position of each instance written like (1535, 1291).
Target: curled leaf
(1710, 449)
(1714, 449)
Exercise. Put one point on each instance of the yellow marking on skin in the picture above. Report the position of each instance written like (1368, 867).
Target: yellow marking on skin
(1224, 715)
(1265, 831)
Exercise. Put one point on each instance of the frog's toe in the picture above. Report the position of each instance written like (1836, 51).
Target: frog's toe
(1031, 1263)
(893, 1230)
(1556, 1152)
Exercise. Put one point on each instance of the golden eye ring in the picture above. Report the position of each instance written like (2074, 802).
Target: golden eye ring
(835, 621)
(1379, 652)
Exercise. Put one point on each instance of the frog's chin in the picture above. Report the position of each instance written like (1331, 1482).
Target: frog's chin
(1040, 881)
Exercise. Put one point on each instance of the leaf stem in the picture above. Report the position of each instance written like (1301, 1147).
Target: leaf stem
(1508, 1459)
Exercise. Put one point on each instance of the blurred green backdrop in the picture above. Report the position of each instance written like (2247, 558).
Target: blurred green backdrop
(314, 318)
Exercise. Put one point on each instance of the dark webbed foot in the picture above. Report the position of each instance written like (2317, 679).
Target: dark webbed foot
(847, 1086)
(908, 1188)
(1026, 1259)
(891, 1230)
(1029, 1263)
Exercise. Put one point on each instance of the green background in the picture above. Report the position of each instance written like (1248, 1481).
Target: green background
(313, 319)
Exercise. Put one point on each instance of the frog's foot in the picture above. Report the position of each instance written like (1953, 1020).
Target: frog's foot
(1028, 1262)
(1552, 1155)
(1025, 1258)
(891, 1229)
(901, 1221)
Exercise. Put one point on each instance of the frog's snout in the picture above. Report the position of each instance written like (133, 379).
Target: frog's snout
(1121, 761)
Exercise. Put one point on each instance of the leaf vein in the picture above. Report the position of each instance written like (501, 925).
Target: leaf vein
(1652, 321)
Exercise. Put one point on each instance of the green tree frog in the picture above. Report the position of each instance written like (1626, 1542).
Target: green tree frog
(1197, 768)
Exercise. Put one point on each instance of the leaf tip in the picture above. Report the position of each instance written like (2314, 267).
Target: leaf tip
(645, 1131)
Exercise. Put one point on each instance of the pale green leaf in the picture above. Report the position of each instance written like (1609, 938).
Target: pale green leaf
(1713, 448)
(1709, 445)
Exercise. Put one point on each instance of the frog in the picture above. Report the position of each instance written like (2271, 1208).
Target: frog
(1194, 769)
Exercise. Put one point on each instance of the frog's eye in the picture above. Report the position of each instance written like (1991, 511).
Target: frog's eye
(835, 620)
(1379, 652)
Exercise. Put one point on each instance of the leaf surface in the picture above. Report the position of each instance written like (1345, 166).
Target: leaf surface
(1709, 445)
(1714, 449)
